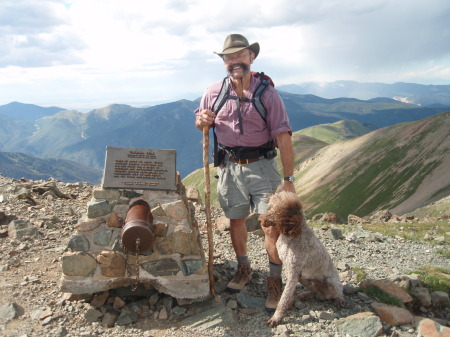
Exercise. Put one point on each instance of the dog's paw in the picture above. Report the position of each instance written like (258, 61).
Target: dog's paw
(274, 321)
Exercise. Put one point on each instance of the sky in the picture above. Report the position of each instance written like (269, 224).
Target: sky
(87, 54)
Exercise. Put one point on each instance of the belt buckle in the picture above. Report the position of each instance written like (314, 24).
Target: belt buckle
(242, 161)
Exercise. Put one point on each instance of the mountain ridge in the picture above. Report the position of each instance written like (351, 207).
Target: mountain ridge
(341, 130)
(401, 168)
(25, 111)
(18, 165)
(420, 94)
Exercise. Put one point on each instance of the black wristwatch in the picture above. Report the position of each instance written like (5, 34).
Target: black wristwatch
(290, 178)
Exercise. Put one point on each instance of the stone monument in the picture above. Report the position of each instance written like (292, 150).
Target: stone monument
(96, 259)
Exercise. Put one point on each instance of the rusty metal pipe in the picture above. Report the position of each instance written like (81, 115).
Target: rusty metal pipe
(138, 232)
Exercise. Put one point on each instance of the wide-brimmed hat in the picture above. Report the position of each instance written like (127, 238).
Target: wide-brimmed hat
(237, 42)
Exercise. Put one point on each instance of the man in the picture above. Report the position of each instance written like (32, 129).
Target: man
(248, 172)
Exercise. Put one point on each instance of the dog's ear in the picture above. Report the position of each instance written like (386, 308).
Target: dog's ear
(291, 216)
(261, 219)
(265, 220)
(299, 220)
(293, 222)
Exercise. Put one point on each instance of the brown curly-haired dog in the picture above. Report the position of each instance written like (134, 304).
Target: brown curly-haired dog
(304, 257)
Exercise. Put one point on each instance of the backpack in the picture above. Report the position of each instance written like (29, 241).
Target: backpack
(224, 95)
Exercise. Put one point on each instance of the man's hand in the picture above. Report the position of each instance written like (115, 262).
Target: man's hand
(204, 118)
(288, 186)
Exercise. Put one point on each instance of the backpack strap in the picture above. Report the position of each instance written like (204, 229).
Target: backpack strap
(222, 97)
(218, 104)
(259, 106)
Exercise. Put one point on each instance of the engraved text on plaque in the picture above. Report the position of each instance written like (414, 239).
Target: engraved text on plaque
(136, 168)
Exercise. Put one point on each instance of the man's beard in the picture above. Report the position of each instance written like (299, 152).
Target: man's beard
(245, 68)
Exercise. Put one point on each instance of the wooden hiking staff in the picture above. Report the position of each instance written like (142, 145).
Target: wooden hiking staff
(208, 208)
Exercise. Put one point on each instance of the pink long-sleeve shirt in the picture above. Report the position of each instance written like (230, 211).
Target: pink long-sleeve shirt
(255, 131)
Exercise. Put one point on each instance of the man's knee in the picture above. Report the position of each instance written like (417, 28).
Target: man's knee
(237, 222)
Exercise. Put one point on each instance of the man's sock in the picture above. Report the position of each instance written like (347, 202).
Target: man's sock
(243, 259)
(275, 270)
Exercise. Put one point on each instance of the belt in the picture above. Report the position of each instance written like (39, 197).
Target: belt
(244, 161)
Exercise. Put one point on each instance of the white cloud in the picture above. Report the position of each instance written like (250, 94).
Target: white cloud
(36, 34)
(105, 51)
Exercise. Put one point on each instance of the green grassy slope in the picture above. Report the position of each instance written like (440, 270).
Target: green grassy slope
(341, 130)
(400, 167)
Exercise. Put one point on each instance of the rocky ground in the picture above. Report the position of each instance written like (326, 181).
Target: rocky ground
(32, 305)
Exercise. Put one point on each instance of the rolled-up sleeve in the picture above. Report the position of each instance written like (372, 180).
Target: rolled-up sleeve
(277, 117)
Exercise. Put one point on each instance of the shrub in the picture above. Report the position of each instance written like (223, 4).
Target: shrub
(435, 278)
(382, 296)
(361, 274)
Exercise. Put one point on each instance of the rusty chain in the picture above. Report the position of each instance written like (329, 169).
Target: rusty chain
(134, 284)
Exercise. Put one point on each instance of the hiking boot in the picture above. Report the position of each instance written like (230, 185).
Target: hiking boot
(273, 289)
(241, 278)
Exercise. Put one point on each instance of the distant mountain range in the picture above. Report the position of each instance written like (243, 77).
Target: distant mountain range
(83, 137)
(424, 95)
(399, 168)
(20, 165)
(30, 112)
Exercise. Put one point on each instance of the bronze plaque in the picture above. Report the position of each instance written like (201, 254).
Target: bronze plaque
(134, 168)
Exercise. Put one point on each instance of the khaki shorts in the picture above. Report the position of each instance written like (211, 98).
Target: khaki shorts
(242, 188)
